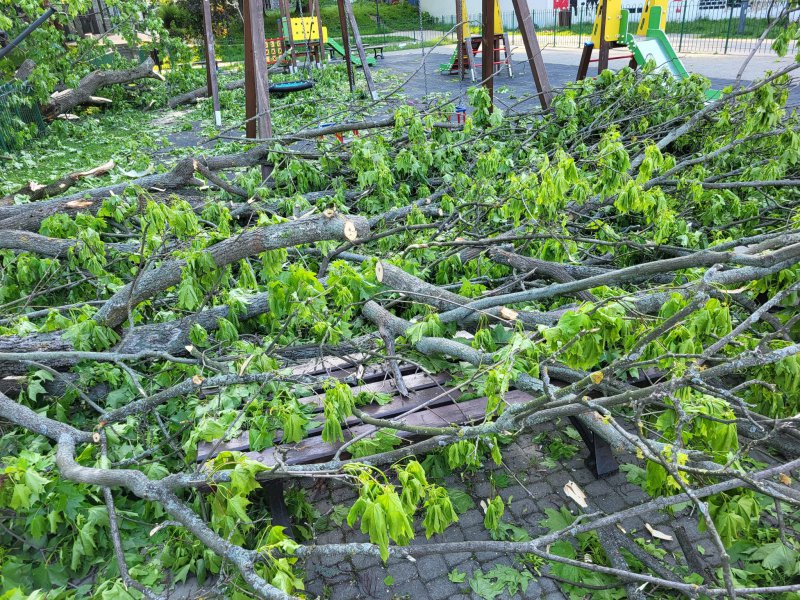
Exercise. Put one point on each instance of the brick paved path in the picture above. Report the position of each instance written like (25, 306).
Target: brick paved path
(538, 488)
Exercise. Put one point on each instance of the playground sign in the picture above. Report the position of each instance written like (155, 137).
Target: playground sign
(560, 4)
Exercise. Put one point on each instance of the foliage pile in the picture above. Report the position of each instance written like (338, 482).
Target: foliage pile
(631, 257)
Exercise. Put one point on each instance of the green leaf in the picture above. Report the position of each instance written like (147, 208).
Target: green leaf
(494, 510)
(777, 556)
(462, 502)
(456, 576)
(439, 513)
(373, 523)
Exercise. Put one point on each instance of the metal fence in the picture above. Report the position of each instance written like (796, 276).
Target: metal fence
(20, 118)
(693, 26)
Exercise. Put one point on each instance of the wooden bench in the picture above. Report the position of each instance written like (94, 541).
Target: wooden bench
(431, 402)
(376, 49)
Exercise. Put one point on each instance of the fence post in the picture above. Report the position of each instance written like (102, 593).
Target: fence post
(580, 26)
(728, 32)
(684, 6)
(742, 17)
(555, 24)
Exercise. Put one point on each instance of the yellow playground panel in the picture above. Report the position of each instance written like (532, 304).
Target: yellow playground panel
(304, 29)
(613, 17)
(498, 20)
(643, 22)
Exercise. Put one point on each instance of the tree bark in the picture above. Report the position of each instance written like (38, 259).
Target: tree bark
(36, 191)
(249, 243)
(64, 101)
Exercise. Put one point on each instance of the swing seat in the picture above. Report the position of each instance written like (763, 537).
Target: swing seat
(287, 87)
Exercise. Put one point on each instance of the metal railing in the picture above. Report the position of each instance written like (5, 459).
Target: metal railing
(20, 119)
(693, 26)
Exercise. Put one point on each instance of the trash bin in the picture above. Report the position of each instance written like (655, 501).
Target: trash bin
(565, 18)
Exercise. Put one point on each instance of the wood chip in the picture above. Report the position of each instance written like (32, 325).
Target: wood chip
(79, 203)
(246, 364)
(350, 231)
(657, 534)
(158, 528)
(102, 169)
(572, 490)
(508, 314)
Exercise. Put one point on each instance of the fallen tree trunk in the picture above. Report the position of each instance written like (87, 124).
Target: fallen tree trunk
(202, 92)
(249, 243)
(36, 191)
(30, 216)
(27, 241)
(420, 291)
(171, 337)
(66, 100)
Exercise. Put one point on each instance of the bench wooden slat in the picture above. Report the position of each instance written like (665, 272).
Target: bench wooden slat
(417, 381)
(422, 389)
(341, 368)
(313, 449)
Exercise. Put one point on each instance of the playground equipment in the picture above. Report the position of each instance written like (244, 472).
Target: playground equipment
(470, 46)
(287, 87)
(305, 37)
(335, 47)
(611, 30)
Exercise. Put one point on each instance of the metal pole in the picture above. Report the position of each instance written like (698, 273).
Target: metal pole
(27, 31)
(211, 62)
(580, 26)
(742, 17)
(728, 32)
(346, 43)
(360, 47)
(487, 71)
(256, 77)
(460, 37)
(534, 52)
(683, 21)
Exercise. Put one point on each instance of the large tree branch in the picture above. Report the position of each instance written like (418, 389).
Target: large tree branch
(248, 243)
(65, 101)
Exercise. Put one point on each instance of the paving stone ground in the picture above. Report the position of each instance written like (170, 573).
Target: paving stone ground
(533, 488)
(516, 93)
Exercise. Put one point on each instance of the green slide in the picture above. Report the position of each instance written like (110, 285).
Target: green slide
(337, 47)
(656, 47)
(452, 64)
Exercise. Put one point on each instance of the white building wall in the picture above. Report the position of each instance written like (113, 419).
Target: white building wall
(446, 8)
